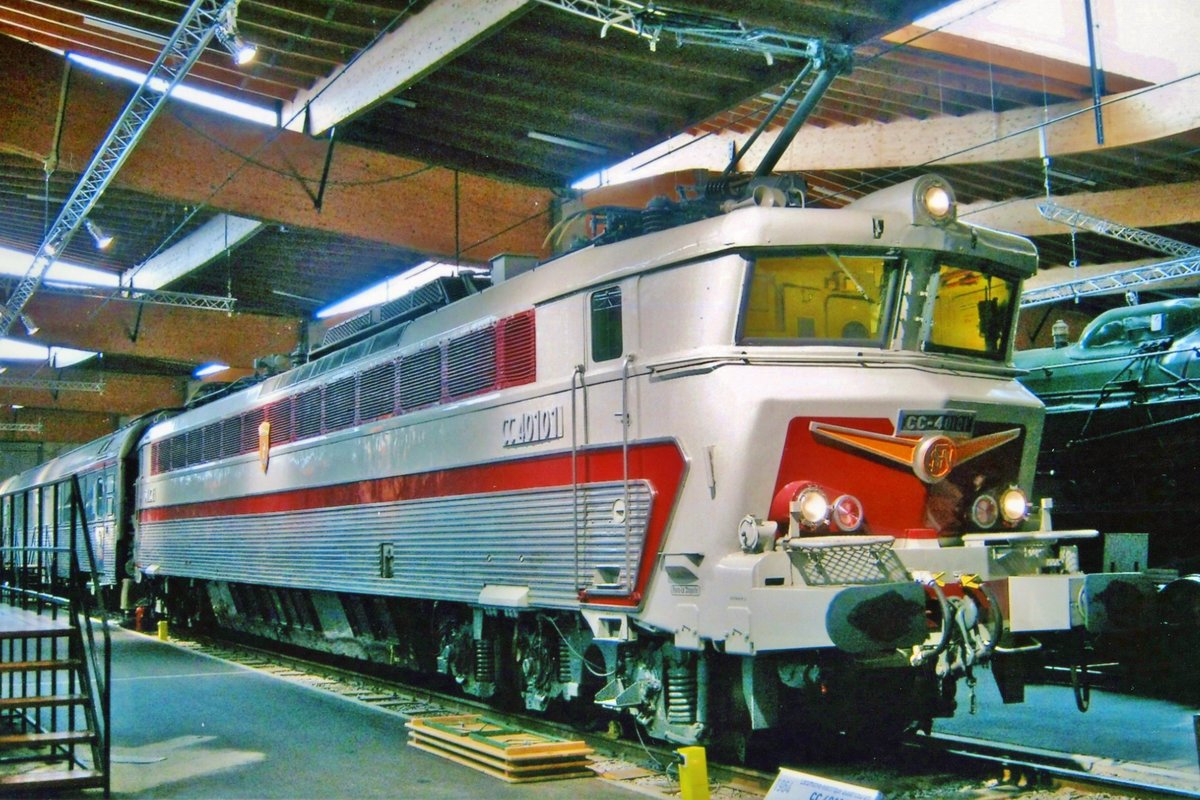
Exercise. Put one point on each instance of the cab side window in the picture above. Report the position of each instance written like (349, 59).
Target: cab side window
(606, 324)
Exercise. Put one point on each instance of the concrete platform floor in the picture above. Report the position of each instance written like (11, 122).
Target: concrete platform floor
(189, 726)
(1136, 735)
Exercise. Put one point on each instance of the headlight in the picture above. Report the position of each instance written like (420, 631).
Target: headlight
(985, 511)
(812, 507)
(847, 513)
(933, 201)
(937, 202)
(1014, 505)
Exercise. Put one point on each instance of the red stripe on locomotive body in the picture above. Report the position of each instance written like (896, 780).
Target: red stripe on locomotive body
(895, 501)
(661, 464)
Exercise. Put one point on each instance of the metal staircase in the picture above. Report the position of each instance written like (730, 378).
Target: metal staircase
(55, 662)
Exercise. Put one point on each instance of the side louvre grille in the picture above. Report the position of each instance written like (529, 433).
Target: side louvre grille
(231, 437)
(498, 356)
(518, 350)
(471, 363)
(279, 414)
(377, 392)
(250, 422)
(339, 404)
(308, 413)
(421, 379)
(212, 442)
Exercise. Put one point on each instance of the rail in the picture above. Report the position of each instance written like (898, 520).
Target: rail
(48, 566)
(1097, 774)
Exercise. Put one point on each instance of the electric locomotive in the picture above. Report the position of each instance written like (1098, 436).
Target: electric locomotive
(766, 466)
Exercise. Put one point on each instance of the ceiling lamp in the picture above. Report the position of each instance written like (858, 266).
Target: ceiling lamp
(563, 141)
(103, 240)
(31, 327)
(211, 368)
(243, 52)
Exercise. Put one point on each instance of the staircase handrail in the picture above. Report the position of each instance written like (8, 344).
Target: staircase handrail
(99, 668)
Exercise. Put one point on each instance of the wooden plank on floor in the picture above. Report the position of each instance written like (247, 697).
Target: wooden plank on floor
(499, 750)
(496, 740)
(515, 768)
(480, 767)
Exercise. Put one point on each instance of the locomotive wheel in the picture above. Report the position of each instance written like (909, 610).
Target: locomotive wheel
(582, 711)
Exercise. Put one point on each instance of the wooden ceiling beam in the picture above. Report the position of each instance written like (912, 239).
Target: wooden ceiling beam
(914, 36)
(184, 335)
(195, 157)
(1144, 207)
(219, 235)
(423, 41)
(1130, 118)
(939, 70)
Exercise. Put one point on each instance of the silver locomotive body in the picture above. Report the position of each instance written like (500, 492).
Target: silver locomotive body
(733, 471)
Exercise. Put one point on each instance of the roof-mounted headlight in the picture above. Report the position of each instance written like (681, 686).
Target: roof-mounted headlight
(933, 201)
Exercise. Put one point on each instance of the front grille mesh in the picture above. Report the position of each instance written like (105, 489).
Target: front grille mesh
(833, 565)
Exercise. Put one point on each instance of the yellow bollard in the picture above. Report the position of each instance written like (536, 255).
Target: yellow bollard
(693, 774)
(162, 630)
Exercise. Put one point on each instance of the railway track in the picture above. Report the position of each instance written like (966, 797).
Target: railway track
(928, 766)
(1028, 766)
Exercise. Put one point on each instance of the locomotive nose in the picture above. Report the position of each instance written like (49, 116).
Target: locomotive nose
(863, 619)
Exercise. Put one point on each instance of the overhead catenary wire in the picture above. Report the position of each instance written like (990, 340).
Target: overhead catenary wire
(738, 120)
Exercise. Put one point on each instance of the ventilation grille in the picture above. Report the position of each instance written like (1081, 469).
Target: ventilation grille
(377, 392)
(280, 416)
(308, 413)
(483, 360)
(422, 301)
(212, 441)
(421, 379)
(339, 403)
(471, 363)
(344, 330)
(429, 297)
(518, 350)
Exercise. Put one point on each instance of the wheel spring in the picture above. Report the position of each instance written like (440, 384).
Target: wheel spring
(485, 661)
(564, 662)
(681, 695)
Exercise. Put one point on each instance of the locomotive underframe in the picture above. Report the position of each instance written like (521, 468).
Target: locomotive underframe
(551, 661)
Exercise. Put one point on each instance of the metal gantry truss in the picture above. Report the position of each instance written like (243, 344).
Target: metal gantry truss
(652, 22)
(182, 50)
(20, 427)
(52, 385)
(1129, 280)
(203, 302)
(1186, 265)
(1115, 230)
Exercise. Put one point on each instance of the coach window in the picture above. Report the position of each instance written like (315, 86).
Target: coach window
(97, 504)
(606, 324)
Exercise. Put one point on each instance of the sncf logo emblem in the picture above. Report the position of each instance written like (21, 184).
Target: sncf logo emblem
(931, 458)
(934, 458)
